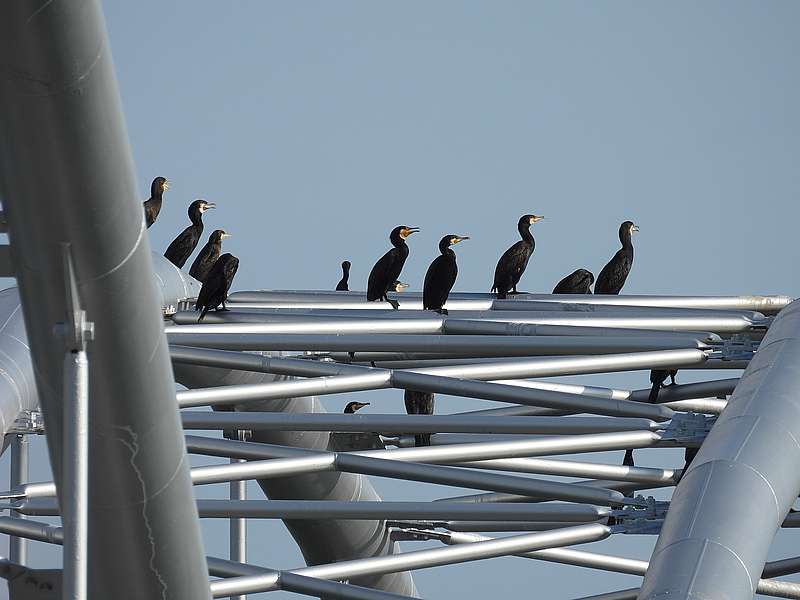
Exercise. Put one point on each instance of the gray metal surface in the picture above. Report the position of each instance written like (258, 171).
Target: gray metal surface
(67, 176)
(737, 491)
(323, 540)
(17, 546)
(18, 387)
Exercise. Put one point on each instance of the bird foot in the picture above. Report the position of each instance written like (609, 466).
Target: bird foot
(442, 311)
(395, 304)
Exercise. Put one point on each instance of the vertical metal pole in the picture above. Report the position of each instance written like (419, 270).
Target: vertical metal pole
(238, 527)
(18, 546)
(75, 471)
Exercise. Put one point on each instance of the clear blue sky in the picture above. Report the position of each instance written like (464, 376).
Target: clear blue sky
(316, 127)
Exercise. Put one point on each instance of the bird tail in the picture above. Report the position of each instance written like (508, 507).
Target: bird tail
(202, 314)
(422, 439)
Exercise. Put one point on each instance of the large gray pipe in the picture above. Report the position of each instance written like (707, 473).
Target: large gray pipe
(737, 491)
(321, 541)
(17, 385)
(67, 177)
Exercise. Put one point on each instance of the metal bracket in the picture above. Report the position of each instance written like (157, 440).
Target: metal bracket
(399, 531)
(737, 347)
(688, 429)
(76, 331)
(645, 520)
(28, 422)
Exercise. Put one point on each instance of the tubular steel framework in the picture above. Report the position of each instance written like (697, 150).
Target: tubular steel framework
(254, 374)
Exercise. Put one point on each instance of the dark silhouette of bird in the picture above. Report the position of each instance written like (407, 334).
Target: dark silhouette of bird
(208, 255)
(218, 282)
(182, 246)
(354, 406)
(342, 285)
(512, 264)
(657, 379)
(577, 282)
(614, 274)
(388, 268)
(688, 457)
(441, 275)
(152, 206)
(420, 403)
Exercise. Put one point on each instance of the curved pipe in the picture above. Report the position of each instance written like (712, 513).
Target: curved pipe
(716, 537)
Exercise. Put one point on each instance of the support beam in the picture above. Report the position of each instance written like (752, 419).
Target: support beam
(712, 527)
(64, 145)
(17, 547)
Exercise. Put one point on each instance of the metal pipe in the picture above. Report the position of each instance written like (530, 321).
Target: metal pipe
(711, 526)
(18, 387)
(420, 558)
(413, 472)
(474, 345)
(331, 590)
(238, 526)
(17, 547)
(64, 145)
(766, 304)
(75, 467)
(566, 468)
(447, 454)
(447, 380)
(390, 423)
(32, 530)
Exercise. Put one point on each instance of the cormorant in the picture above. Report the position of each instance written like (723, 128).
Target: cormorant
(420, 403)
(182, 246)
(354, 406)
(441, 275)
(512, 264)
(152, 206)
(389, 266)
(577, 282)
(208, 255)
(216, 285)
(614, 274)
(342, 285)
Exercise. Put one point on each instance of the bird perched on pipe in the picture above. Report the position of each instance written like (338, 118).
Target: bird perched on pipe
(441, 275)
(578, 282)
(152, 206)
(387, 269)
(208, 255)
(615, 273)
(343, 286)
(181, 248)
(215, 288)
(513, 262)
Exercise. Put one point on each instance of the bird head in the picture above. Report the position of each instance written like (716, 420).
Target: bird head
(450, 240)
(159, 186)
(354, 406)
(398, 286)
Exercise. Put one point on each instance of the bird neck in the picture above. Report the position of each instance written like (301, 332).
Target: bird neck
(196, 217)
(625, 238)
(398, 242)
(448, 252)
(525, 232)
(345, 271)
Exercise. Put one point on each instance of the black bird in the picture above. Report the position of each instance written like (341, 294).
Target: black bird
(152, 206)
(354, 406)
(388, 268)
(577, 282)
(215, 288)
(420, 403)
(512, 264)
(614, 274)
(182, 246)
(657, 379)
(342, 285)
(441, 275)
(208, 255)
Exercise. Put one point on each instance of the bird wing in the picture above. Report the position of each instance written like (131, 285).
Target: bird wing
(181, 247)
(511, 265)
(383, 274)
(439, 280)
(614, 274)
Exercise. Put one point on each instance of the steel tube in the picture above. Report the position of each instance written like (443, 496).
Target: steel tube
(17, 546)
(420, 558)
(75, 468)
(32, 530)
(474, 345)
(333, 590)
(390, 423)
(63, 145)
(413, 472)
(711, 526)
(237, 526)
